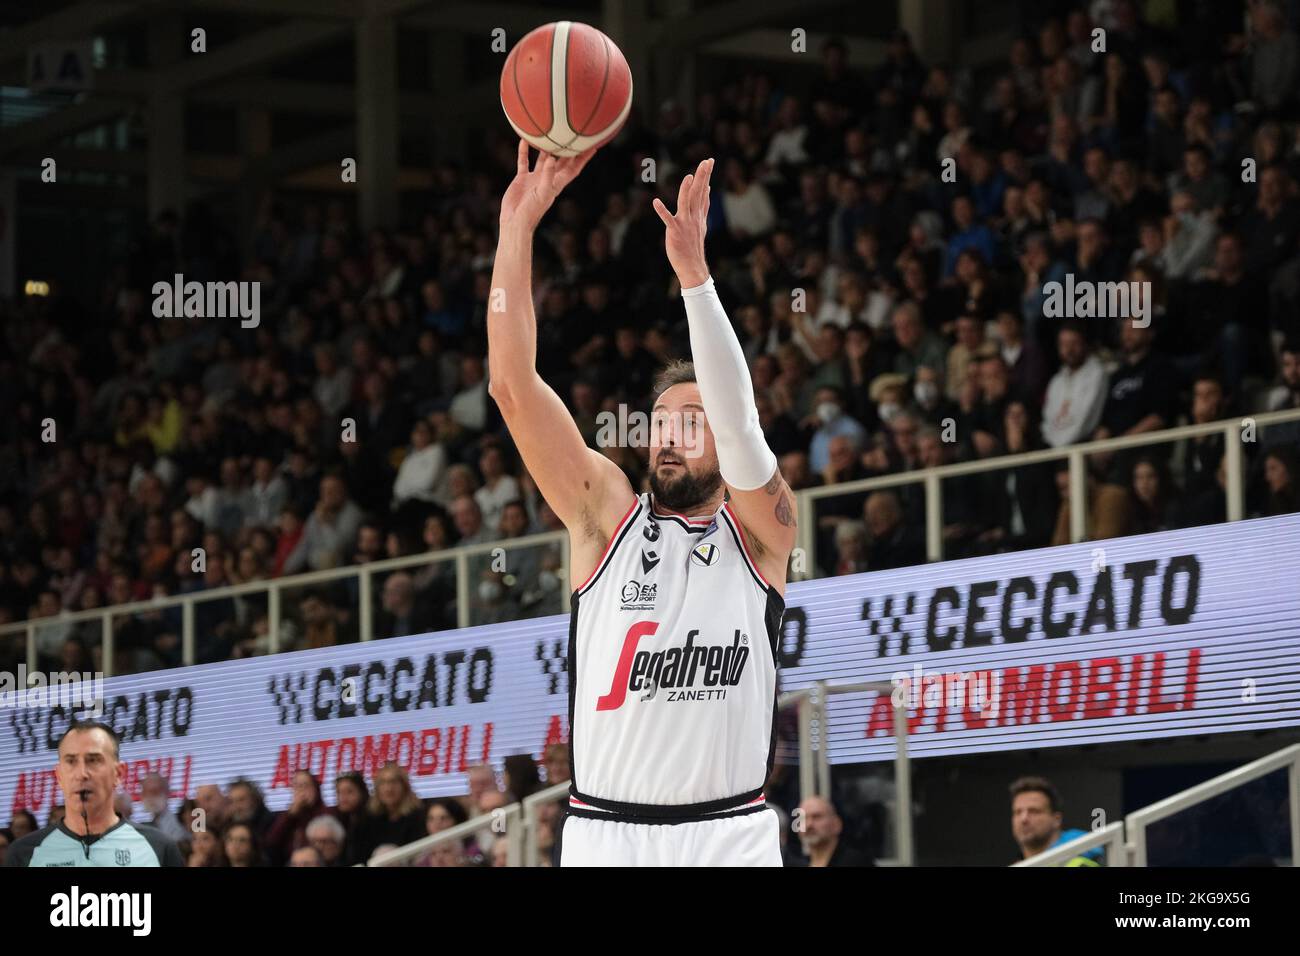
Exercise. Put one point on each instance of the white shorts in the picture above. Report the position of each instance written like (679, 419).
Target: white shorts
(753, 839)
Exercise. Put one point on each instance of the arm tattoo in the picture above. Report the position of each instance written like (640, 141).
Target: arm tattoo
(784, 513)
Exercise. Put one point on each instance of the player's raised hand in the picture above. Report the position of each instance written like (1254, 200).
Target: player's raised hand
(532, 191)
(684, 235)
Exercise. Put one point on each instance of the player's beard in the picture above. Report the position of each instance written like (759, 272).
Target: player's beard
(686, 491)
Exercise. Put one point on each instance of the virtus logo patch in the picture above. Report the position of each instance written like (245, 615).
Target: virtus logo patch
(705, 554)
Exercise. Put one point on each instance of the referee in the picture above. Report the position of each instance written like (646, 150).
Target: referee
(92, 834)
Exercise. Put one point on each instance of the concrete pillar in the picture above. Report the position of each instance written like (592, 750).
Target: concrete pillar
(377, 121)
(935, 27)
(168, 44)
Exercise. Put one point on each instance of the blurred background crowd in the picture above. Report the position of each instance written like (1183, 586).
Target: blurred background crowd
(232, 827)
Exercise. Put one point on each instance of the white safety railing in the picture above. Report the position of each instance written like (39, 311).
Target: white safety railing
(814, 763)
(531, 805)
(1287, 759)
(505, 823)
(1111, 836)
(932, 478)
(1126, 841)
(274, 588)
(519, 822)
(462, 557)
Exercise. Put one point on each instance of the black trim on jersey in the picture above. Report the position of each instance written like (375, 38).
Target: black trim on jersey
(573, 677)
(608, 557)
(773, 615)
(658, 811)
(664, 820)
(744, 555)
(771, 744)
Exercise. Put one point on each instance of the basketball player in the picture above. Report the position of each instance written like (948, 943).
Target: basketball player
(677, 594)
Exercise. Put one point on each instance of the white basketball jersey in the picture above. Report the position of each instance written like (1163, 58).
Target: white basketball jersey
(672, 668)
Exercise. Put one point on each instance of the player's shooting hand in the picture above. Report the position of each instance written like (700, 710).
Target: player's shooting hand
(684, 235)
(532, 191)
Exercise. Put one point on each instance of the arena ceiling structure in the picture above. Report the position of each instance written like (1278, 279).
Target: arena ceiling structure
(140, 121)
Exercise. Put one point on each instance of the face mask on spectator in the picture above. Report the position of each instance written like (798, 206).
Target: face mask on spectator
(888, 411)
(489, 591)
(548, 581)
(828, 412)
(927, 393)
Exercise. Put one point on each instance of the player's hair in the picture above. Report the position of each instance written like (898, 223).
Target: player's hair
(677, 372)
(1038, 785)
(78, 726)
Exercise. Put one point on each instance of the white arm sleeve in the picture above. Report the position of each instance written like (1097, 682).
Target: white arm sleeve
(727, 391)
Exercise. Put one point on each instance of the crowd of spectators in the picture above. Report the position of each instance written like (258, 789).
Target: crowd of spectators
(893, 317)
(232, 827)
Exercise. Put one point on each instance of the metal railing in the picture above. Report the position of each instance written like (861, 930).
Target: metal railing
(505, 823)
(1126, 841)
(519, 822)
(1111, 836)
(932, 478)
(814, 764)
(461, 557)
(1137, 822)
(555, 794)
(273, 588)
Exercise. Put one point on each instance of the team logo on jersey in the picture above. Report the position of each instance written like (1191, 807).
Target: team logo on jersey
(123, 857)
(705, 554)
(651, 531)
(639, 597)
(689, 672)
(649, 560)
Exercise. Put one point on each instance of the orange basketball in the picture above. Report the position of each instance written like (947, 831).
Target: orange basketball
(566, 88)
